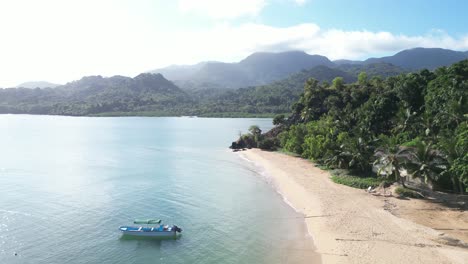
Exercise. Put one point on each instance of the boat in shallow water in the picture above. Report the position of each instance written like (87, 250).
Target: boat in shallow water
(157, 230)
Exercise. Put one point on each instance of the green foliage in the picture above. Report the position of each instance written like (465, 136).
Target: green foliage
(457, 154)
(357, 182)
(293, 138)
(267, 144)
(319, 139)
(362, 78)
(338, 82)
(447, 96)
(412, 143)
(232, 115)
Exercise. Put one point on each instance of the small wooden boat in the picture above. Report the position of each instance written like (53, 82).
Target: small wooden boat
(154, 231)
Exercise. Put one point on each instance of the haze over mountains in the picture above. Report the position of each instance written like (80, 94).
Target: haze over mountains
(258, 68)
(37, 84)
(270, 83)
(263, 68)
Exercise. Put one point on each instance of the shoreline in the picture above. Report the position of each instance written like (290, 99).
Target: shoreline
(307, 253)
(348, 225)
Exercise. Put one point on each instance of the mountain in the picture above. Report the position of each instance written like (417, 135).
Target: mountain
(421, 58)
(265, 67)
(96, 94)
(38, 84)
(257, 69)
(415, 59)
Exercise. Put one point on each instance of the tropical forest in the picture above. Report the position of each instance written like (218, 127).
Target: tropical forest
(409, 126)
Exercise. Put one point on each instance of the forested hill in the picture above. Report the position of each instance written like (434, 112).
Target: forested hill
(96, 95)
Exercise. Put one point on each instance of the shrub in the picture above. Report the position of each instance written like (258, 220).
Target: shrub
(412, 143)
(405, 192)
(279, 119)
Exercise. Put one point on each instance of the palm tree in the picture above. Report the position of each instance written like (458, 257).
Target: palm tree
(426, 163)
(354, 154)
(391, 160)
(255, 130)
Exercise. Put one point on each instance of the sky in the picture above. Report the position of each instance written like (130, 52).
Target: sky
(63, 40)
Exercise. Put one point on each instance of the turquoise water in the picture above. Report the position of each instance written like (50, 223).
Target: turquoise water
(67, 183)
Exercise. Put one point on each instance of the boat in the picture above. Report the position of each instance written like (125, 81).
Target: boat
(158, 230)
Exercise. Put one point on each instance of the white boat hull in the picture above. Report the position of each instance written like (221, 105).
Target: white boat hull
(159, 231)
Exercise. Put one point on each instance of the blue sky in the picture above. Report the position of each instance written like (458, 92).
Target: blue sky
(60, 41)
(413, 17)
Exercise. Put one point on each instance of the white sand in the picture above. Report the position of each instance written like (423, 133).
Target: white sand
(348, 225)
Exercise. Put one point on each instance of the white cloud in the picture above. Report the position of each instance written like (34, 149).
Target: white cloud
(88, 37)
(232, 43)
(222, 8)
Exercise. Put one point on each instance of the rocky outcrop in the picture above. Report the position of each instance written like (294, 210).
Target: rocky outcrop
(245, 141)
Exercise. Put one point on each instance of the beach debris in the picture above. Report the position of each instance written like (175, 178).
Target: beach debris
(370, 190)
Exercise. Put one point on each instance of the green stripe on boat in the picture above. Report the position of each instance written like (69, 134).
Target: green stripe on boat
(147, 221)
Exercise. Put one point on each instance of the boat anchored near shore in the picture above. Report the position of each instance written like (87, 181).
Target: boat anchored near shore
(158, 230)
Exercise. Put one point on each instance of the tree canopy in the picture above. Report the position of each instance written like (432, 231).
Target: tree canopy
(416, 121)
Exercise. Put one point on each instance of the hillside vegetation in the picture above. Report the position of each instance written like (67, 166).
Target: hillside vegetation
(416, 122)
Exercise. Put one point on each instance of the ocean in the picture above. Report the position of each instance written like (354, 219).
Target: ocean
(68, 183)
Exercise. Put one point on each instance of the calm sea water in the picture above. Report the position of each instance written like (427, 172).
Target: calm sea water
(67, 183)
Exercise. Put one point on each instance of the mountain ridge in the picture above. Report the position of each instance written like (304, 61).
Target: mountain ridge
(256, 69)
(261, 68)
(419, 58)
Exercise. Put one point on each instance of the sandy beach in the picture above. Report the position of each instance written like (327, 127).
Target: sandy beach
(351, 226)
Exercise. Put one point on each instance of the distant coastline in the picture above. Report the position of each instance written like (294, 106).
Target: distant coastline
(155, 114)
(349, 225)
